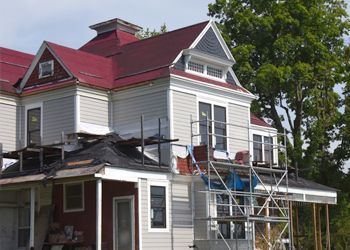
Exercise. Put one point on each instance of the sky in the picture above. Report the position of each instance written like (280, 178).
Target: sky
(25, 24)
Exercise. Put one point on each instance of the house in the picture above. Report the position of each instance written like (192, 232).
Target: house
(99, 136)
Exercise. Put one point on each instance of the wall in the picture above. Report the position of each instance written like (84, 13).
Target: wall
(86, 220)
(94, 111)
(9, 125)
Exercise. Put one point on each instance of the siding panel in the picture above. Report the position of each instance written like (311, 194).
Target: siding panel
(184, 105)
(238, 115)
(58, 116)
(8, 126)
(94, 111)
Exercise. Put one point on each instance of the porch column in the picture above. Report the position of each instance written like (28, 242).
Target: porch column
(32, 217)
(98, 214)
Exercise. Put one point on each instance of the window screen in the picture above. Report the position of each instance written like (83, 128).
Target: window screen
(220, 127)
(257, 146)
(34, 126)
(74, 198)
(158, 207)
(204, 114)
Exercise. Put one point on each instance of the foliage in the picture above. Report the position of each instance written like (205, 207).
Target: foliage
(147, 33)
(289, 53)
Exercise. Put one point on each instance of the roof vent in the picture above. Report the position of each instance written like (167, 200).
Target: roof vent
(115, 24)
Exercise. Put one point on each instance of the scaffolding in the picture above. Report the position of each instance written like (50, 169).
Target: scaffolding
(258, 213)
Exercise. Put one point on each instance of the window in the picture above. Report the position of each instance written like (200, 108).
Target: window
(263, 150)
(23, 226)
(197, 67)
(34, 126)
(73, 197)
(211, 71)
(46, 69)
(205, 111)
(225, 208)
(158, 207)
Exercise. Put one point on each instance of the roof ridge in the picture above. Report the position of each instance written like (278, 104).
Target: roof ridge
(168, 32)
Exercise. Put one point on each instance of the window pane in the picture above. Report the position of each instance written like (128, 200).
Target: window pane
(268, 149)
(34, 126)
(211, 71)
(220, 128)
(204, 113)
(23, 237)
(223, 211)
(74, 196)
(158, 207)
(195, 67)
(257, 147)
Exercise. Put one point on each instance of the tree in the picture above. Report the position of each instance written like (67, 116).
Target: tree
(290, 54)
(143, 34)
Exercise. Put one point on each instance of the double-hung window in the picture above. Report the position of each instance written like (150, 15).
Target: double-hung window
(216, 129)
(74, 197)
(263, 149)
(158, 206)
(34, 126)
(23, 226)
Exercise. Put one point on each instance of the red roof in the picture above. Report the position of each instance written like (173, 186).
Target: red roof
(259, 122)
(13, 65)
(86, 67)
(109, 43)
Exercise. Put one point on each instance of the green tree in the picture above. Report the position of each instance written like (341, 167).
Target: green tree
(290, 54)
(147, 33)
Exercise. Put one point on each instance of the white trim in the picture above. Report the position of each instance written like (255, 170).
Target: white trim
(209, 59)
(130, 175)
(77, 113)
(32, 217)
(130, 198)
(65, 210)
(170, 102)
(29, 107)
(40, 52)
(51, 62)
(167, 208)
(139, 201)
(99, 196)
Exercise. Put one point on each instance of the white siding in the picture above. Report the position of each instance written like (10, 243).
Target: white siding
(8, 126)
(184, 106)
(94, 111)
(238, 115)
(58, 116)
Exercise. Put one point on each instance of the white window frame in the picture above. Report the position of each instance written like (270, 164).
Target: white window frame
(274, 140)
(205, 73)
(65, 210)
(41, 71)
(214, 103)
(29, 107)
(167, 207)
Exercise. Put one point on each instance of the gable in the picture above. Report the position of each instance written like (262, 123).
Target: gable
(210, 44)
(59, 72)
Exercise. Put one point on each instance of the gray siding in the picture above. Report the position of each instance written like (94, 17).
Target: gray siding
(211, 45)
(180, 234)
(184, 105)
(94, 111)
(58, 116)
(238, 115)
(200, 204)
(130, 105)
(8, 126)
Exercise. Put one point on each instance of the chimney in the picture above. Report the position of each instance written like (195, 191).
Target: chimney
(115, 24)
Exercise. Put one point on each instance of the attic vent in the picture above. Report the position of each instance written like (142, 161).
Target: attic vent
(46, 69)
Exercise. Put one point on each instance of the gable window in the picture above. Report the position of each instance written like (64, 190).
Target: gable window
(263, 149)
(46, 69)
(34, 126)
(219, 125)
(158, 206)
(215, 72)
(197, 67)
(73, 197)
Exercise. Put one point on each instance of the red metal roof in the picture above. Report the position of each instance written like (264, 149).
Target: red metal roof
(259, 122)
(13, 65)
(86, 67)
